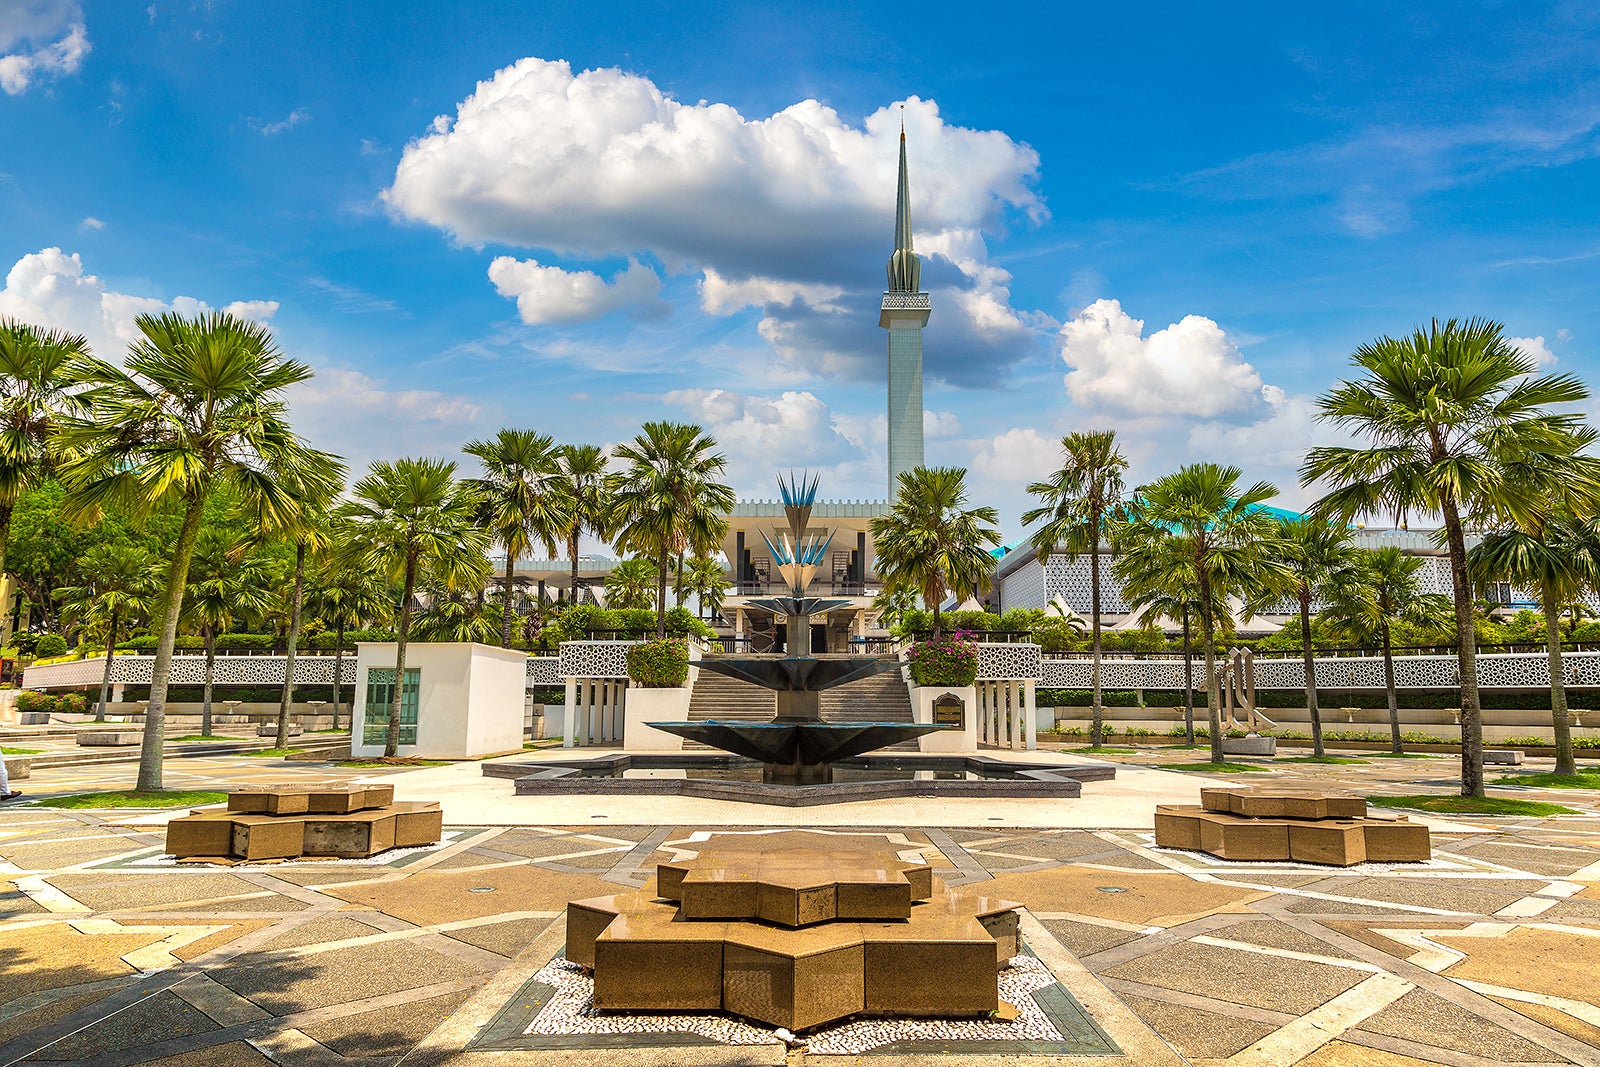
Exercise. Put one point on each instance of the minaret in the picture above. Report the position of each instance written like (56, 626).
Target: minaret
(905, 312)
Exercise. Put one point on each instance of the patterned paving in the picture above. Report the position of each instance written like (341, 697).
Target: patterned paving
(1486, 955)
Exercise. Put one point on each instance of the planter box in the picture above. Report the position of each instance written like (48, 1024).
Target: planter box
(1249, 746)
(641, 706)
(964, 739)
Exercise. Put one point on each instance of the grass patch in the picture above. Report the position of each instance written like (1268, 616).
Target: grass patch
(279, 753)
(393, 761)
(1583, 780)
(1471, 805)
(1318, 759)
(1405, 755)
(205, 737)
(19, 752)
(130, 798)
(332, 730)
(1104, 750)
(1212, 768)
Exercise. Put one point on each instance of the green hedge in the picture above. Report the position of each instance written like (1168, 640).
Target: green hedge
(249, 694)
(660, 664)
(549, 695)
(1083, 698)
(53, 703)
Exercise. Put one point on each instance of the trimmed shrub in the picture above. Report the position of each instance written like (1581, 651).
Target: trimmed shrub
(659, 664)
(51, 645)
(949, 661)
(1083, 698)
(550, 695)
(52, 703)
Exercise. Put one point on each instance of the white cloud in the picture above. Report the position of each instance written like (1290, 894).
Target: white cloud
(1188, 368)
(791, 213)
(1012, 460)
(294, 118)
(1535, 349)
(354, 415)
(91, 223)
(50, 288)
(552, 296)
(49, 38)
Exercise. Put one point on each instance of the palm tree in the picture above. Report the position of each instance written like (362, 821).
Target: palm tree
(1076, 503)
(409, 517)
(1452, 411)
(1318, 555)
(309, 532)
(1558, 558)
(227, 582)
(580, 477)
(931, 542)
(522, 500)
(347, 594)
(628, 584)
(1224, 535)
(38, 370)
(120, 586)
(452, 614)
(708, 581)
(1166, 586)
(197, 407)
(668, 500)
(1385, 589)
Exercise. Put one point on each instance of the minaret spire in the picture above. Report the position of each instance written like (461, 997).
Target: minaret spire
(904, 313)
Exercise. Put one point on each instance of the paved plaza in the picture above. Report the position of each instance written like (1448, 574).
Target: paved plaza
(113, 956)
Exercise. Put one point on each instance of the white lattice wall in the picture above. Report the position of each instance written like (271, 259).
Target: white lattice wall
(1496, 670)
(594, 659)
(1001, 662)
(189, 670)
(544, 671)
(1023, 588)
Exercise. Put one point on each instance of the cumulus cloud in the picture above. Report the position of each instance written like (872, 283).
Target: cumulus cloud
(1188, 368)
(552, 296)
(791, 213)
(39, 39)
(50, 288)
(354, 415)
(1535, 349)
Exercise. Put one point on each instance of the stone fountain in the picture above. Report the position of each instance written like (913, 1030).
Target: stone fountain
(797, 747)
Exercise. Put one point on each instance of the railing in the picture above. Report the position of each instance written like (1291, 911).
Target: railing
(816, 588)
(998, 637)
(873, 646)
(271, 650)
(1342, 652)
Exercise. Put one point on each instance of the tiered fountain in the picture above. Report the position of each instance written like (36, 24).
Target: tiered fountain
(797, 747)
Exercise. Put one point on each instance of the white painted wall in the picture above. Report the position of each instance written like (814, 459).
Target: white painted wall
(469, 704)
(963, 740)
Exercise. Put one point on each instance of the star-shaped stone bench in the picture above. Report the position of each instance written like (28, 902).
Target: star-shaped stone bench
(331, 819)
(1299, 825)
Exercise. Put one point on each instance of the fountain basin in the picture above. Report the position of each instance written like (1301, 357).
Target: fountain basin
(797, 753)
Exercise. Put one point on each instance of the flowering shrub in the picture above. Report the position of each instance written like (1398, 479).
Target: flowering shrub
(659, 664)
(950, 661)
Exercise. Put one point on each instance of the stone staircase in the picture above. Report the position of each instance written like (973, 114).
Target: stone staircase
(881, 698)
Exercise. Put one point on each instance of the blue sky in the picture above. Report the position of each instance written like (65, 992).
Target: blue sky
(578, 217)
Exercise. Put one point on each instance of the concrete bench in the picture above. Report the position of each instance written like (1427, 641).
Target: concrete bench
(271, 730)
(1249, 746)
(109, 738)
(19, 767)
(1510, 757)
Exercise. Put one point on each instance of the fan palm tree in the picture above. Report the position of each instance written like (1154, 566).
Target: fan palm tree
(227, 583)
(932, 542)
(1318, 555)
(1222, 532)
(581, 481)
(522, 500)
(346, 594)
(1456, 416)
(1384, 589)
(38, 370)
(1076, 504)
(1558, 558)
(1164, 586)
(628, 583)
(451, 615)
(668, 499)
(121, 582)
(197, 407)
(708, 581)
(310, 535)
(411, 517)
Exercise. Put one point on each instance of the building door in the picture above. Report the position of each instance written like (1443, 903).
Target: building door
(819, 637)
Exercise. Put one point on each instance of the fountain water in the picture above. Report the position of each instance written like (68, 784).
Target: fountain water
(797, 747)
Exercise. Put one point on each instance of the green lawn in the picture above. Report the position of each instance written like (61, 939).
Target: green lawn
(1405, 755)
(279, 753)
(1318, 759)
(205, 737)
(332, 730)
(19, 752)
(395, 761)
(1212, 768)
(1451, 805)
(1587, 779)
(1104, 750)
(128, 798)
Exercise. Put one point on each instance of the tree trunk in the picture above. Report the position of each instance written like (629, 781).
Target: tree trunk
(391, 743)
(938, 624)
(505, 614)
(1213, 693)
(1466, 655)
(1188, 682)
(1311, 674)
(105, 678)
(5, 536)
(677, 590)
(572, 551)
(205, 697)
(338, 668)
(1394, 701)
(1558, 686)
(1097, 730)
(287, 697)
(661, 597)
(149, 780)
